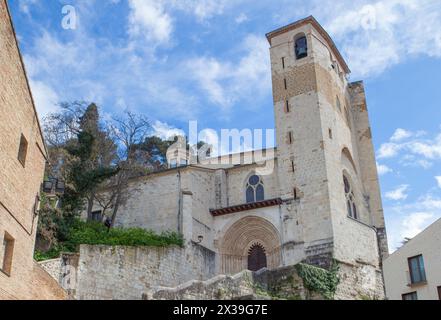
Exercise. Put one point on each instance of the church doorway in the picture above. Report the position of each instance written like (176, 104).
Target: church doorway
(257, 258)
(251, 243)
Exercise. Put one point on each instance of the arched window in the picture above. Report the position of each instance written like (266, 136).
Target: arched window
(301, 47)
(350, 199)
(255, 190)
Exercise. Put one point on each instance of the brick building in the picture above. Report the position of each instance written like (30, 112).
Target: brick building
(22, 161)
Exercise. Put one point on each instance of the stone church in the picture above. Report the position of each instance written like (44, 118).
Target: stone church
(321, 202)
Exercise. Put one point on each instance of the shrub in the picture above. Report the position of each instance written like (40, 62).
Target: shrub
(97, 234)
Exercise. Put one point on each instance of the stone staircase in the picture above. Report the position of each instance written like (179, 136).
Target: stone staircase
(278, 284)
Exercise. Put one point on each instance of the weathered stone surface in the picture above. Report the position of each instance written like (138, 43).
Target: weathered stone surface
(125, 273)
(282, 283)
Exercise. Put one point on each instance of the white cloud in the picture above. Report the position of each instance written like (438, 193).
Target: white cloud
(165, 131)
(375, 35)
(401, 134)
(415, 223)
(413, 147)
(383, 169)
(398, 194)
(407, 220)
(202, 9)
(149, 18)
(45, 98)
(438, 180)
(226, 82)
(25, 5)
(388, 150)
(241, 18)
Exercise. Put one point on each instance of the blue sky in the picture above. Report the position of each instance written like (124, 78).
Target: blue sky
(208, 60)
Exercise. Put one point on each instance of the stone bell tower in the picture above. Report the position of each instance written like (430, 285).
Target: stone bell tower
(326, 163)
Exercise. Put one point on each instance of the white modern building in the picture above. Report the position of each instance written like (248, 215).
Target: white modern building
(413, 272)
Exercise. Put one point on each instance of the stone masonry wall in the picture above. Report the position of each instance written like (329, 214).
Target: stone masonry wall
(281, 283)
(123, 273)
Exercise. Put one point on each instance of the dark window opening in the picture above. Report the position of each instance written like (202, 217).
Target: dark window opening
(285, 83)
(296, 196)
(283, 62)
(290, 137)
(439, 292)
(97, 216)
(23, 150)
(410, 296)
(417, 270)
(287, 109)
(301, 48)
(6, 254)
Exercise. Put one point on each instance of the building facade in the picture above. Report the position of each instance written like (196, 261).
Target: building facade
(22, 162)
(413, 272)
(320, 200)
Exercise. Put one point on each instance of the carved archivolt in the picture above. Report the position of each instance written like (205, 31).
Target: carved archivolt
(241, 237)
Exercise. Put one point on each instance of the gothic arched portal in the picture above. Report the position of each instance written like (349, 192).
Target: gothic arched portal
(250, 243)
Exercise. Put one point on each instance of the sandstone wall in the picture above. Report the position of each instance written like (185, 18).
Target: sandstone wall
(19, 182)
(282, 283)
(126, 273)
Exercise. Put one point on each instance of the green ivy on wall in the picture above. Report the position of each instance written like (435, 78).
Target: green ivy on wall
(320, 280)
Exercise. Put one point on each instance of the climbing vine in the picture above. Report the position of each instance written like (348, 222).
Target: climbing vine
(320, 280)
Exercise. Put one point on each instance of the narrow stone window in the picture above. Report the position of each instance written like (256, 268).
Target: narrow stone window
(290, 137)
(285, 83)
(287, 109)
(23, 150)
(6, 254)
(347, 116)
(283, 62)
(293, 166)
(296, 196)
(330, 133)
(338, 103)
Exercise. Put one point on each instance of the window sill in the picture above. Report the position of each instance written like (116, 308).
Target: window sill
(417, 284)
(361, 222)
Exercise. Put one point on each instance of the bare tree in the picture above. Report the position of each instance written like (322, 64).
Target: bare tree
(128, 132)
